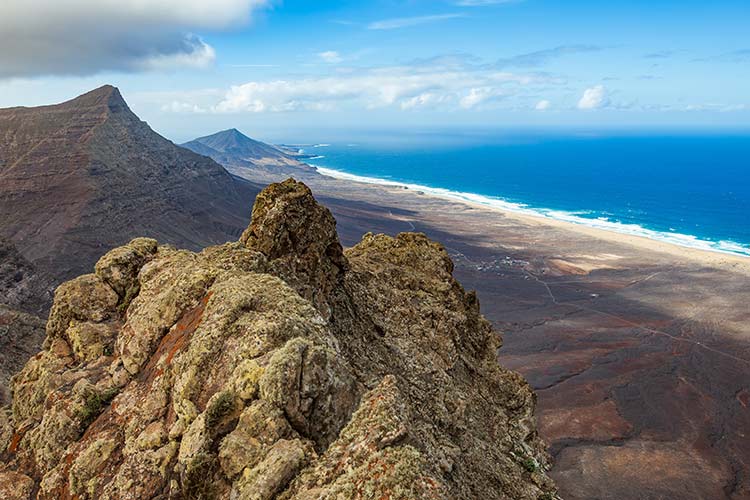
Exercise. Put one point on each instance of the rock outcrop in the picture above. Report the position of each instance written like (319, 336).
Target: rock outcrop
(20, 334)
(24, 295)
(279, 366)
(21, 285)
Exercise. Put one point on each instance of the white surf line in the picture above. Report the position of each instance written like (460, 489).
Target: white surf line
(633, 324)
(678, 239)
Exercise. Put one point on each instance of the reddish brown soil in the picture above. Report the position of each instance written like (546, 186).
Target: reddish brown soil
(642, 368)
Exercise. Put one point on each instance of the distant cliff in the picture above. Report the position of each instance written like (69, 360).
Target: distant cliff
(250, 158)
(278, 366)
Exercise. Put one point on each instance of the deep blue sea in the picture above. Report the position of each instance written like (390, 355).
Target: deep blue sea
(691, 189)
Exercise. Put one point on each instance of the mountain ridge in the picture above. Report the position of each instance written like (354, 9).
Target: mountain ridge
(69, 170)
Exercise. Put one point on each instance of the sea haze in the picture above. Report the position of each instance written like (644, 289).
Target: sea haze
(686, 188)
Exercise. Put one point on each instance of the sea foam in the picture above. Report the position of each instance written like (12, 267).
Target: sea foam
(604, 223)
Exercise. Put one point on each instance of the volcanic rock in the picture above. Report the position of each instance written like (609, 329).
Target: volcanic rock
(278, 366)
(85, 176)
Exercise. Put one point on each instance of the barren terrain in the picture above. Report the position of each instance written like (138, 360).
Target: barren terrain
(639, 351)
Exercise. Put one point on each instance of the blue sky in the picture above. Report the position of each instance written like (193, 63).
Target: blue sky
(289, 70)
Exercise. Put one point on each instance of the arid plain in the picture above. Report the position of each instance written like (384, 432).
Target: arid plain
(639, 351)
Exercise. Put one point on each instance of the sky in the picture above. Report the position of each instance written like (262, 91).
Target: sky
(296, 71)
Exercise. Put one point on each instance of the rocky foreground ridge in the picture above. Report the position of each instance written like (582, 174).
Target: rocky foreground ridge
(278, 366)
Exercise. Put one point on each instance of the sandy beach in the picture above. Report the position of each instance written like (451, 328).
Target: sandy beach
(740, 263)
(630, 343)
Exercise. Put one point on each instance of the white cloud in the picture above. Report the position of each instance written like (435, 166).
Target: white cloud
(424, 100)
(405, 22)
(402, 87)
(199, 55)
(81, 37)
(183, 107)
(594, 98)
(543, 105)
(330, 56)
(477, 96)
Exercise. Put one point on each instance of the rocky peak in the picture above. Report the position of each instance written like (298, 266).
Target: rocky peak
(249, 158)
(299, 238)
(235, 133)
(230, 140)
(105, 97)
(278, 366)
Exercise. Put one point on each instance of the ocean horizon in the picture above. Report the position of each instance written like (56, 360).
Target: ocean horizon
(687, 189)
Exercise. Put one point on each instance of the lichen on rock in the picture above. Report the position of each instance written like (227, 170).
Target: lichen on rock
(279, 366)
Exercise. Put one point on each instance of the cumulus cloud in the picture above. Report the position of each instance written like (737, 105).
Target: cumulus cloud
(594, 98)
(330, 57)
(427, 99)
(405, 22)
(477, 96)
(543, 105)
(400, 87)
(81, 37)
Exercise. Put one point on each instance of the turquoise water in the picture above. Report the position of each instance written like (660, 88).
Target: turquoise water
(686, 188)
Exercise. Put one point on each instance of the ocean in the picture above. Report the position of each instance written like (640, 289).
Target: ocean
(690, 189)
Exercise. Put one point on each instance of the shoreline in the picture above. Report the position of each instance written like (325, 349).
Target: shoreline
(686, 246)
(601, 324)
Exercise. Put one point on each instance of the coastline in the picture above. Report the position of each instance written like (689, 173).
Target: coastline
(599, 323)
(680, 246)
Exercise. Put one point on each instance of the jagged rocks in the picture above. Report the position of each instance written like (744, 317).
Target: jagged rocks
(20, 335)
(275, 367)
(299, 238)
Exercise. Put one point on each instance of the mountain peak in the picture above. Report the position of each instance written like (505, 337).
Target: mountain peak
(231, 140)
(234, 135)
(232, 148)
(106, 95)
(84, 165)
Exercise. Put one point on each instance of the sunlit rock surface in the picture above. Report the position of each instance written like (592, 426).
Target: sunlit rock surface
(278, 366)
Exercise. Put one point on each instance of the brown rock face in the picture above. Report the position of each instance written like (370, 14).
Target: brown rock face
(275, 367)
(82, 177)
(299, 238)
(20, 334)
(21, 285)
(23, 294)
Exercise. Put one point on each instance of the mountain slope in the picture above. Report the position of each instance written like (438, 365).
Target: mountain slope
(21, 285)
(21, 335)
(233, 142)
(79, 178)
(251, 158)
(275, 367)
